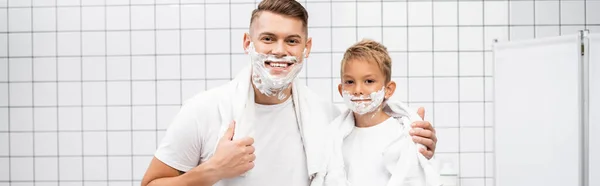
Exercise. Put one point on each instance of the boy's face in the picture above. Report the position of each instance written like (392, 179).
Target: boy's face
(361, 78)
(281, 36)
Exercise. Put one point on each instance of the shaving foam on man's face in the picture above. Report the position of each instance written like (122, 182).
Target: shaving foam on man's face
(271, 74)
(364, 103)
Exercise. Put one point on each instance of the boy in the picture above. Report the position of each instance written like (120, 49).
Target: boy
(372, 145)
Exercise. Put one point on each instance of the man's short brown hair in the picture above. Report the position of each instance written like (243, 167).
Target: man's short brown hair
(291, 8)
(370, 51)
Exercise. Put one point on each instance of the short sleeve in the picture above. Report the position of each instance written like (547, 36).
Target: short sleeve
(181, 146)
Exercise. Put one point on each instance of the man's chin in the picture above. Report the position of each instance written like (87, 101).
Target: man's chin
(278, 75)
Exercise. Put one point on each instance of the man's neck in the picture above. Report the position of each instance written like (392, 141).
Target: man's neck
(370, 119)
(262, 99)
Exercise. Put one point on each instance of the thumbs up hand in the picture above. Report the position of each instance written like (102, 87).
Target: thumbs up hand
(233, 157)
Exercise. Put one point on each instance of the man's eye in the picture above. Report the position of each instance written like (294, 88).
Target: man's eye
(293, 41)
(268, 39)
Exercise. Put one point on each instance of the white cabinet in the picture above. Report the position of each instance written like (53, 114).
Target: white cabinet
(545, 94)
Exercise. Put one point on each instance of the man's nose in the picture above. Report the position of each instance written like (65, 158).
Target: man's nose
(279, 50)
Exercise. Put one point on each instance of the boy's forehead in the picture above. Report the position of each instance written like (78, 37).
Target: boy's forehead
(361, 62)
(362, 66)
(277, 24)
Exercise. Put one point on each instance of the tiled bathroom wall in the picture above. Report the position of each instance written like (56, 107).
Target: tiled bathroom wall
(88, 87)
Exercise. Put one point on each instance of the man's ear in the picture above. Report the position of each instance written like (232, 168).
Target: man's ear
(246, 42)
(308, 47)
(389, 89)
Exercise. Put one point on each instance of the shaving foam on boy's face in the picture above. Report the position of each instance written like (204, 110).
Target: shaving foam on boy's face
(271, 74)
(364, 103)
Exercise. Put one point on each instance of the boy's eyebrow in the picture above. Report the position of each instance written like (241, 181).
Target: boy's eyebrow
(365, 76)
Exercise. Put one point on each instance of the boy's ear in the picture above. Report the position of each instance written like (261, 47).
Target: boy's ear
(389, 89)
(340, 89)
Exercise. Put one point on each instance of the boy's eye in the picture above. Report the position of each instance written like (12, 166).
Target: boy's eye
(369, 81)
(348, 82)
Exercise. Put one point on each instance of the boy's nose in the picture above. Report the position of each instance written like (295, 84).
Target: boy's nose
(358, 90)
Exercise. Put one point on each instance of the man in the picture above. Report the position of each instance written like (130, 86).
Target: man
(262, 128)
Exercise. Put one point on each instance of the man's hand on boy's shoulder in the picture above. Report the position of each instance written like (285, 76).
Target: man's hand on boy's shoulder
(424, 133)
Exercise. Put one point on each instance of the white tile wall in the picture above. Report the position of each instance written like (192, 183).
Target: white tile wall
(87, 87)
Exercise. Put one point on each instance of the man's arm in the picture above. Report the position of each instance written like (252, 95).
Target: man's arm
(232, 158)
(159, 174)
(424, 133)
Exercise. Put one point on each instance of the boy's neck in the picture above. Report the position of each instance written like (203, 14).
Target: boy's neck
(370, 119)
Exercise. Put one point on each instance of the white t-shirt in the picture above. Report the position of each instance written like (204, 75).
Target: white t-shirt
(363, 152)
(280, 156)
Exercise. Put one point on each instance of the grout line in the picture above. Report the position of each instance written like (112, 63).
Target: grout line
(72, 106)
(180, 60)
(230, 40)
(585, 14)
(238, 3)
(560, 17)
(32, 94)
(458, 83)
(509, 17)
(131, 88)
(57, 97)
(74, 131)
(484, 90)
(8, 94)
(235, 53)
(433, 78)
(106, 85)
(534, 21)
(82, 92)
(131, 95)
(331, 44)
(407, 48)
(205, 50)
(195, 79)
(150, 155)
(164, 130)
(155, 82)
(355, 22)
(310, 27)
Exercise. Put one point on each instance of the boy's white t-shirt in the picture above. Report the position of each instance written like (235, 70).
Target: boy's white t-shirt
(363, 152)
(280, 157)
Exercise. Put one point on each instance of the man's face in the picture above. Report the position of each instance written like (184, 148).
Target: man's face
(281, 36)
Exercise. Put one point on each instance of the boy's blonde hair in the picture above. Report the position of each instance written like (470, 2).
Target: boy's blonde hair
(369, 51)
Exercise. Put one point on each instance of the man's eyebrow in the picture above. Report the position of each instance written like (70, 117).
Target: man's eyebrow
(272, 34)
(267, 33)
(295, 35)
